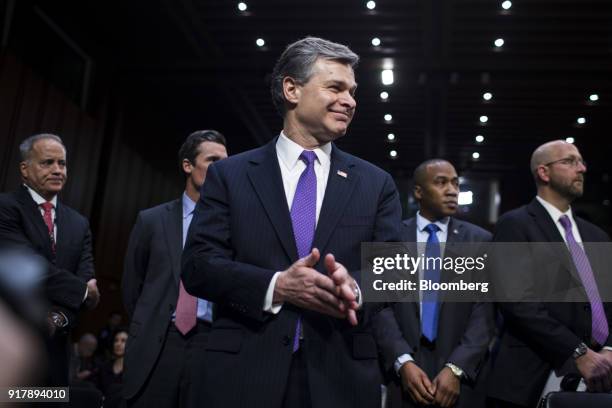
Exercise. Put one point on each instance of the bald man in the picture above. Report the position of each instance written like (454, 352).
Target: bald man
(542, 342)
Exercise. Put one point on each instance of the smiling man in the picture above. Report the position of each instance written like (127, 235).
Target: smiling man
(436, 360)
(275, 244)
(33, 219)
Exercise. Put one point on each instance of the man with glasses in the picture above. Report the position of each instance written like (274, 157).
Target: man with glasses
(542, 342)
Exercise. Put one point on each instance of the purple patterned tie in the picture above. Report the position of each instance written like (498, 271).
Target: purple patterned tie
(599, 323)
(304, 217)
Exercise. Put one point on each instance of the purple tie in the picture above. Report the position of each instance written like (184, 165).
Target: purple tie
(599, 323)
(304, 217)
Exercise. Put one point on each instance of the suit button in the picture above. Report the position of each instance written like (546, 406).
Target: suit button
(286, 340)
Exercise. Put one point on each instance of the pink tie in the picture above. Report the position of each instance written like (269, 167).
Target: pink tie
(186, 311)
(47, 207)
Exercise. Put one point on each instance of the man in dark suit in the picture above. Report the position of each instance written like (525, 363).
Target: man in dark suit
(275, 234)
(168, 326)
(543, 341)
(435, 349)
(32, 219)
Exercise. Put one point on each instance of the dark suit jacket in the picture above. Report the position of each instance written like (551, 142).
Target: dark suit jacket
(22, 227)
(465, 329)
(240, 236)
(150, 287)
(538, 336)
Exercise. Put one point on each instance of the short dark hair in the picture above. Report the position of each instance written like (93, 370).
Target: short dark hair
(298, 59)
(25, 147)
(421, 170)
(190, 148)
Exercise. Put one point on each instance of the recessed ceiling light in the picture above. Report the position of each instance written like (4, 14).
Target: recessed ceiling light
(484, 119)
(506, 5)
(499, 42)
(384, 95)
(593, 97)
(581, 120)
(479, 138)
(387, 76)
(260, 42)
(570, 140)
(391, 137)
(475, 155)
(376, 41)
(393, 154)
(242, 6)
(388, 117)
(371, 5)
(487, 96)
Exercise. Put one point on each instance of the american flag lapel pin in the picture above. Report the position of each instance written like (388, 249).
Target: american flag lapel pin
(342, 174)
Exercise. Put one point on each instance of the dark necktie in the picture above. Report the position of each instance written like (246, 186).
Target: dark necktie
(304, 217)
(48, 217)
(599, 323)
(431, 306)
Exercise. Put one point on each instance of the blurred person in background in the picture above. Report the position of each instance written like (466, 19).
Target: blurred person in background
(110, 378)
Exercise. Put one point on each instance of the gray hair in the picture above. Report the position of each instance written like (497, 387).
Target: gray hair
(25, 148)
(298, 59)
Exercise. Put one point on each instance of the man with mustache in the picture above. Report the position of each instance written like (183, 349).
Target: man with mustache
(435, 349)
(275, 244)
(541, 342)
(33, 219)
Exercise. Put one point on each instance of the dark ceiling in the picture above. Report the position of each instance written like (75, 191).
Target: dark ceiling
(200, 61)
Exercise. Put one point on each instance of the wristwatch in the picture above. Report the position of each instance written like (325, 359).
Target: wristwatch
(580, 350)
(457, 372)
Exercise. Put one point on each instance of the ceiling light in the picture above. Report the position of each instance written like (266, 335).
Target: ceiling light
(376, 41)
(479, 138)
(242, 6)
(384, 95)
(393, 154)
(475, 155)
(499, 42)
(465, 198)
(371, 5)
(388, 117)
(581, 121)
(593, 97)
(260, 42)
(387, 76)
(484, 119)
(391, 137)
(506, 5)
(570, 140)
(487, 96)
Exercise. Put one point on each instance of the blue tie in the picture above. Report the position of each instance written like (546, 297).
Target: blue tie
(304, 217)
(431, 306)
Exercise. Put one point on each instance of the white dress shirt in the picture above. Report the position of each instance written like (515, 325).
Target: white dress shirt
(39, 200)
(291, 166)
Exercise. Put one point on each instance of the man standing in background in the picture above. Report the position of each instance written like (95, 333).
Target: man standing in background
(163, 361)
(33, 219)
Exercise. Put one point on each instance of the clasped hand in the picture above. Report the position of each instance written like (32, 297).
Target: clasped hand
(332, 294)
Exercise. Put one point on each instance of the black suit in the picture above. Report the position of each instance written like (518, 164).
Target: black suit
(465, 329)
(150, 288)
(22, 227)
(538, 337)
(240, 236)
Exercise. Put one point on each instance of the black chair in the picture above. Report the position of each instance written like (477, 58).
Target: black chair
(569, 399)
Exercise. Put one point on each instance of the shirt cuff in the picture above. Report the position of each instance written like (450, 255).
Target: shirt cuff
(268, 306)
(607, 348)
(359, 297)
(400, 361)
(86, 293)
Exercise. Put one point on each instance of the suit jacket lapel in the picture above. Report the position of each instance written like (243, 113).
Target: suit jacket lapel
(35, 216)
(265, 176)
(172, 220)
(337, 195)
(62, 233)
(409, 235)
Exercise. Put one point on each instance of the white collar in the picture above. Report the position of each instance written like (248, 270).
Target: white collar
(423, 222)
(289, 152)
(38, 199)
(554, 212)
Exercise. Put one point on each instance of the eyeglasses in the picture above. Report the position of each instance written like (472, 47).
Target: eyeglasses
(568, 161)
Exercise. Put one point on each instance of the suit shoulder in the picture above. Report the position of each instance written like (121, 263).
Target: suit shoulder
(479, 232)
(74, 214)
(367, 167)
(240, 159)
(592, 231)
(154, 212)
(516, 215)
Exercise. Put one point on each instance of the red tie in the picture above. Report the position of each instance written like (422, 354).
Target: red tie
(186, 311)
(47, 207)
